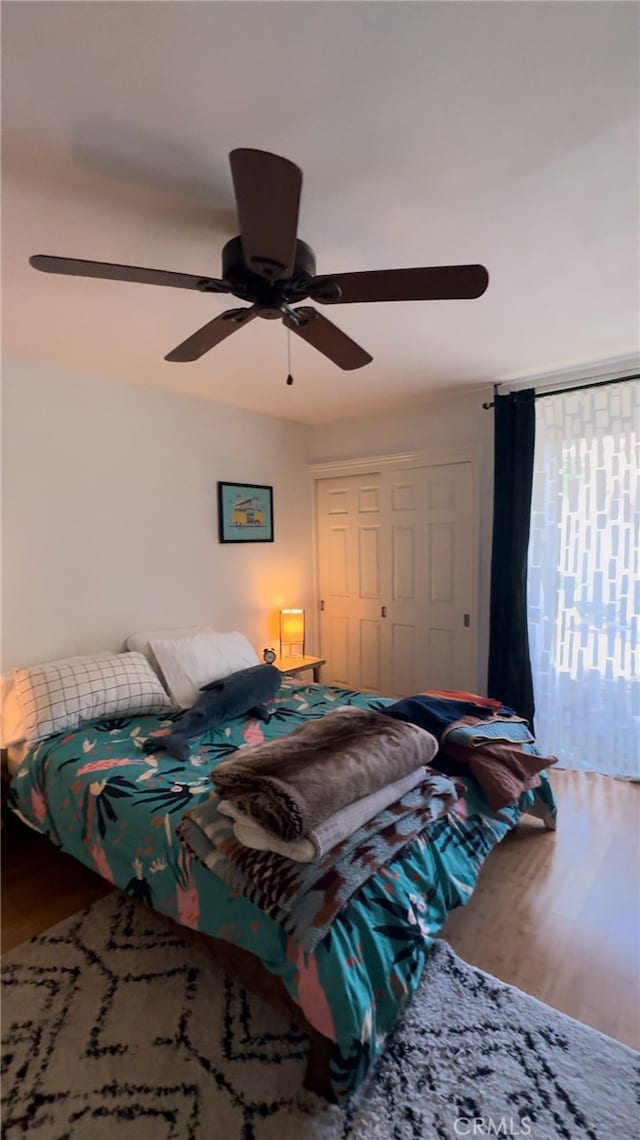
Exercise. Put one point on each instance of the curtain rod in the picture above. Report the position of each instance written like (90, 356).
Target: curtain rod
(572, 388)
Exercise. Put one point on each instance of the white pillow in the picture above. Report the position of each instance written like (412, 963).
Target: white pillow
(188, 663)
(12, 722)
(139, 642)
(62, 695)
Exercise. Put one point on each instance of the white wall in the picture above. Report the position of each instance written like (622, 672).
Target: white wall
(110, 515)
(457, 421)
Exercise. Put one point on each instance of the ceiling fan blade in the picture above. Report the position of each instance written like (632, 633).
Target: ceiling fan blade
(436, 283)
(211, 334)
(267, 190)
(78, 267)
(327, 338)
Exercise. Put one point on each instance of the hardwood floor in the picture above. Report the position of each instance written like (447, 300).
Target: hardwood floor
(555, 913)
(40, 885)
(558, 913)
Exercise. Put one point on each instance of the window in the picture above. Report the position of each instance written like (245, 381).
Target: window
(584, 579)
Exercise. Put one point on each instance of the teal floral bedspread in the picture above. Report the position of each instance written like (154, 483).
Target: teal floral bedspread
(99, 797)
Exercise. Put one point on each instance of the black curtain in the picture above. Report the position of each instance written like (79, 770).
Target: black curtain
(509, 664)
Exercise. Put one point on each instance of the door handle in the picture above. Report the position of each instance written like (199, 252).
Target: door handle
(383, 611)
(467, 621)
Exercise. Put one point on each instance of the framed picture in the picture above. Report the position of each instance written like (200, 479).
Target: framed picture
(245, 512)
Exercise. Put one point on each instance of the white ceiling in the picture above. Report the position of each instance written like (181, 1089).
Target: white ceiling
(428, 133)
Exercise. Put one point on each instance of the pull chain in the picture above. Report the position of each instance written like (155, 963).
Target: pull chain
(289, 376)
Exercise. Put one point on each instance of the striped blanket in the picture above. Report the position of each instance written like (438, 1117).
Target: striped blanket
(305, 898)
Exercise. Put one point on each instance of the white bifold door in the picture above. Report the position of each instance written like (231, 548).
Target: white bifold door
(396, 575)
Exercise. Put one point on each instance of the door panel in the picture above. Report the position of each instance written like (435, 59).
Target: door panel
(403, 656)
(351, 591)
(336, 635)
(451, 563)
(370, 655)
(440, 660)
(441, 492)
(406, 609)
(369, 561)
(441, 544)
(369, 499)
(403, 496)
(337, 501)
(403, 564)
(338, 561)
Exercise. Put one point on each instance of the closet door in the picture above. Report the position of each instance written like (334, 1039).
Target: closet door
(396, 575)
(432, 566)
(351, 576)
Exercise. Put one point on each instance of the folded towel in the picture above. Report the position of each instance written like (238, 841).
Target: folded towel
(250, 834)
(471, 732)
(291, 785)
(327, 834)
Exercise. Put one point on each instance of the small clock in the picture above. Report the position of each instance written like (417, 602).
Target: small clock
(269, 656)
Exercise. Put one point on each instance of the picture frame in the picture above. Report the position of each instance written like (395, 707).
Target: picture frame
(245, 512)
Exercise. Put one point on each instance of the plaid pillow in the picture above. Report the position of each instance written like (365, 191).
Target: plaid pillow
(62, 695)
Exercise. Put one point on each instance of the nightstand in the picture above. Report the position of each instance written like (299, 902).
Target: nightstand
(291, 666)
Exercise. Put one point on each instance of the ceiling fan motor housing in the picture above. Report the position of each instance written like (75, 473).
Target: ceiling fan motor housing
(268, 295)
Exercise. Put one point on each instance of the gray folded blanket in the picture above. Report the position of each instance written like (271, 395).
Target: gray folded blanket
(292, 784)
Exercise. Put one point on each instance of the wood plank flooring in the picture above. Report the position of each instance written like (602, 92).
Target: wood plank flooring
(555, 913)
(40, 884)
(558, 913)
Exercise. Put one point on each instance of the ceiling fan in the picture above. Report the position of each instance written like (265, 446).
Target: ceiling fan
(269, 267)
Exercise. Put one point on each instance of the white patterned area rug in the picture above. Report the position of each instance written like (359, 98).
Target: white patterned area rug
(116, 1029)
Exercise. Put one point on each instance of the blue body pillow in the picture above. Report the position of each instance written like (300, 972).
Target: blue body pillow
(239, 693)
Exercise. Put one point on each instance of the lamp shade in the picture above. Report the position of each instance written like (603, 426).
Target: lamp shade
(291, 632)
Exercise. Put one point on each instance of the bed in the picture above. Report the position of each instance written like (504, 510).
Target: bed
(97, 795)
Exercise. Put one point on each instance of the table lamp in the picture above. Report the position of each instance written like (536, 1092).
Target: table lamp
(291, 633)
